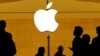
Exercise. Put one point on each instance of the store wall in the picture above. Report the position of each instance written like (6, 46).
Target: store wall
(19, 18)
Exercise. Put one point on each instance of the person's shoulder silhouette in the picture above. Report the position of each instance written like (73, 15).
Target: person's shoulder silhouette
(41, 51)
(96, 40)
(96, 43)
(7, 46)
(59, 51)
(77, 33)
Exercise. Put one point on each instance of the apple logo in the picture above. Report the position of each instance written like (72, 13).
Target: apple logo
(45, 19)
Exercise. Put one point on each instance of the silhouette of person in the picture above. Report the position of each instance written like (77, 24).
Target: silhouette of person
(85, 45)
(96, 43)
(60, 51)
(77, 41)
(7, 46)
(41, 51)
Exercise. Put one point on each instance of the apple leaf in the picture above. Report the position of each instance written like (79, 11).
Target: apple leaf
(49, 5)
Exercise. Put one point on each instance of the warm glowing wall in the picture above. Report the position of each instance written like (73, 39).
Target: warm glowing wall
(27, 37)
(60, 5)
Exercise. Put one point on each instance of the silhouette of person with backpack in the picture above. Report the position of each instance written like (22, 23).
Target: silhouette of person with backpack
(60, 51)
(85, 45)
(95, 46)
(41, 51)
(77, 41)
(7, 46)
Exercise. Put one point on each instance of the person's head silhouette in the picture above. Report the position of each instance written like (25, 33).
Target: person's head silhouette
(78, 31)
(60, 51)
(98, 30)
(2, 25)
(41, 50)
(60, 48)
(86, 38)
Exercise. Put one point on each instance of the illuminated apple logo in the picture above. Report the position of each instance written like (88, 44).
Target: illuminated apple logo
(45, 19)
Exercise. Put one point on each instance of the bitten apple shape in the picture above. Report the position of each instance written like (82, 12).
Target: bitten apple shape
(45, 19)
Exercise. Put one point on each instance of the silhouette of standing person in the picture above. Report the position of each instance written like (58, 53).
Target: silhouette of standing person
(41, 51)
(96, 43)
(7, 46)
(60, 51)
(85, 45)
(77, 41)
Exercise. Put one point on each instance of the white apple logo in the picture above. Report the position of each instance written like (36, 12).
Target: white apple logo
(45, 19)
